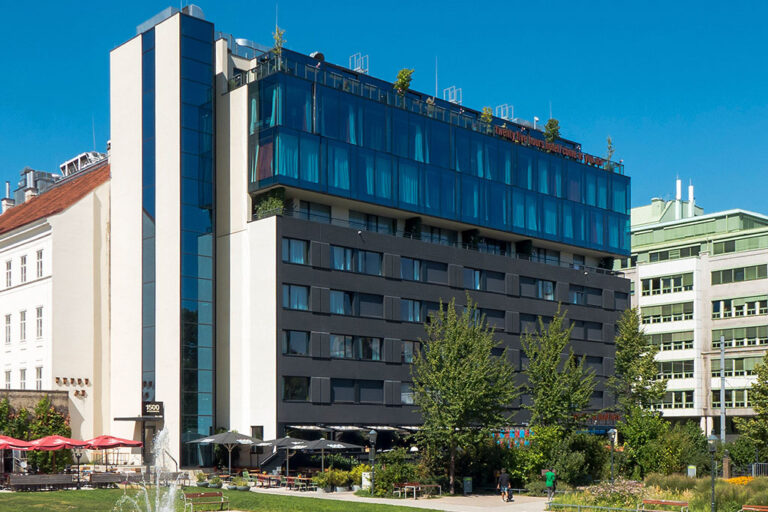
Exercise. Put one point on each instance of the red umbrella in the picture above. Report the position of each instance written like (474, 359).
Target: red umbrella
(9, 443)
(107, 442)
(50, 443)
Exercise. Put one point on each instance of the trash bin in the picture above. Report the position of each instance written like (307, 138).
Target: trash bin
(467, 485)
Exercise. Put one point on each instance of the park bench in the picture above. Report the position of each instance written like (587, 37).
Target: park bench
(755, 508)
(105, 479)
(682, 505)
(194, 500)
(40, 482)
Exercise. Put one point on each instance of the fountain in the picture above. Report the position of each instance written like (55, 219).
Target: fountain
(164, 499)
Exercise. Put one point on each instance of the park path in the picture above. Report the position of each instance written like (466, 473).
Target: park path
(472, 503)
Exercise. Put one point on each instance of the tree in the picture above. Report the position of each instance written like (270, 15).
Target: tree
(559, 388)
(279, 36)
(487, 115)
(403, 81)
(609, 165)
(756, 427)
(48, 421)
(462, 389)
(635, 380)
(552, 130)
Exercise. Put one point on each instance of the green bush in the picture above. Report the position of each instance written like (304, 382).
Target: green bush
(536, 487)
(579, 459)
(392, 469)
(338, 477)
(322, 480)
(270, 203)
(674, 482)
(200, 476)
(729, 497)
(356, 474)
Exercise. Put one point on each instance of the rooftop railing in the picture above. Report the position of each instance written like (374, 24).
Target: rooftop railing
(479, 246)
(268, 64)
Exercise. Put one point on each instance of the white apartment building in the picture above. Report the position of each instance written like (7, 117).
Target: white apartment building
(54, 256)
(696, 278)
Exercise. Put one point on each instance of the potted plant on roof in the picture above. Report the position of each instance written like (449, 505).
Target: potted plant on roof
(403, 83)
(278, 36)
(486, 118)
(552, 130)
(609, 165)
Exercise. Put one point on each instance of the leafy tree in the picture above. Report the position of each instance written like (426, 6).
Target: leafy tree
(559, 388)
(403, 81)
(639, 428)
(756, 427)
(462, 389)
(552, 130)
(48, 421)
(487, 115)
(634, 380)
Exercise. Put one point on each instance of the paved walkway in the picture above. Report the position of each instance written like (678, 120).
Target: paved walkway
(445, 503)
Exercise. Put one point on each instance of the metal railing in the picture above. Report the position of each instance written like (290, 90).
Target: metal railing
(478, 247)
(331, 76)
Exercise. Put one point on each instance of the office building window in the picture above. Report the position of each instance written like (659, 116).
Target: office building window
(342, 347)
(667, 284)
(8, 267)
(22, 326)
(410, 310)
(314, 211)
(409, 351)
(371, 391)
(343, 390)
(23, 269)
(376, 223)
(7, 379)
(7, 328)
(672, 340)
(547, 256)
(740, 336)
(676, 369)
(296, 389)
(744, 306)
(296, 343)
(733, 398)
(23, 378)
(737, 275)
(484, 280)
(585, 295)
(677, 400)
(295, 297)
(423, 270)
(39, 322)
(295, 251)
(739, 367)
(369, 348)
(40, 263)
(355, 260)
(537, 288)
(667, 313)
(472, 279)
(440, 236)
(39, 378)
(406, 393)
(673, 254)
(356, 304)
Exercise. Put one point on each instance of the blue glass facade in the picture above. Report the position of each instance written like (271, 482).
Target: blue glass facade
(148, 216)
(197, 241)
(321, 136)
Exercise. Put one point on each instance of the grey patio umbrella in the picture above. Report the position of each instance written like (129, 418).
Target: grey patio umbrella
(228, 440)
(327, 444)
(287, 442)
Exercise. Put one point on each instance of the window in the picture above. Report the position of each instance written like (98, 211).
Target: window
(342, 347)
(672, 340)
(7, 328)
(296, 389)
(23, 378)
(737, 275)
(39, 322)
(410, 310)
(677, 400)
(342, 303)
(472, 279)
(295, 297)
(585, 295)
(437, 235)
(295, 251)
(371, 391)
(733, 398)
(369, 348)
(740, 336)
(8, 266)
(343, 390)
(423, 270)
(579, 261)
(296, 343)
(23, 269)
(355, 260)
(673, 254)
(22, 326)
(537, 288)
(406, 393)
(667, 284)
(547, 256)
(39, 378)
(375, 223)
(7, 379)
(667, 313)
(409, 349)
(40, 263)
(314, 211)
(738, 367)
(675, 369)
(743, 306)
(356, 304)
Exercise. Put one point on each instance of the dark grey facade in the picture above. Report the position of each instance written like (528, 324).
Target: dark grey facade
(508, 308)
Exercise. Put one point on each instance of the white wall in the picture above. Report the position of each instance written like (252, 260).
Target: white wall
(125, 238)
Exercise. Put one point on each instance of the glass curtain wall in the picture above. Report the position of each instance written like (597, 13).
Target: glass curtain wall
(197, 278)
(148, 216)
(316, 137)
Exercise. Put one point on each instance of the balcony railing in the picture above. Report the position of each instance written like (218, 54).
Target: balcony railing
(479, 247)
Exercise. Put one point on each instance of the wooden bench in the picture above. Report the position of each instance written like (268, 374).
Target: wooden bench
(106, 479)
(192, 500)
(755, 508)
(40, 482)
(682, 505)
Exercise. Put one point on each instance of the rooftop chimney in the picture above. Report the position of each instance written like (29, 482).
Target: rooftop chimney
(690, 201)
(678, 199)
(6, 203)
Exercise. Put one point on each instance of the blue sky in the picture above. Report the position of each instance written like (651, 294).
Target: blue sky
(682, 87)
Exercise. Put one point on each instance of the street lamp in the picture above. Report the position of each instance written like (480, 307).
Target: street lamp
(612, 437)
(78, 452)
(372, 435)
(712, 445)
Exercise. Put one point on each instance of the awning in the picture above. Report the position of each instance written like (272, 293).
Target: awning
(140, 418)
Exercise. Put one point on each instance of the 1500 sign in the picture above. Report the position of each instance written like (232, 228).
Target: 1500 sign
(152, 409)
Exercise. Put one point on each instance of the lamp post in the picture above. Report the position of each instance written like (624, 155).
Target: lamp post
(372, 435)
(612, 437)
(712, 445)
(78, 452)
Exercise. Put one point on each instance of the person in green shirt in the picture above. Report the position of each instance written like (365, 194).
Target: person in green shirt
(550, 480)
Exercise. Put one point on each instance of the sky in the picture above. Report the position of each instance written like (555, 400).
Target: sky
(681, 87)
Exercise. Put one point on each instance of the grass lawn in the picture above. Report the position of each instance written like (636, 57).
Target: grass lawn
(103, 500)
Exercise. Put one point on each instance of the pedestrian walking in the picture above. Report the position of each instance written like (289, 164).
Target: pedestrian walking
(550, 478)
(503, 485)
